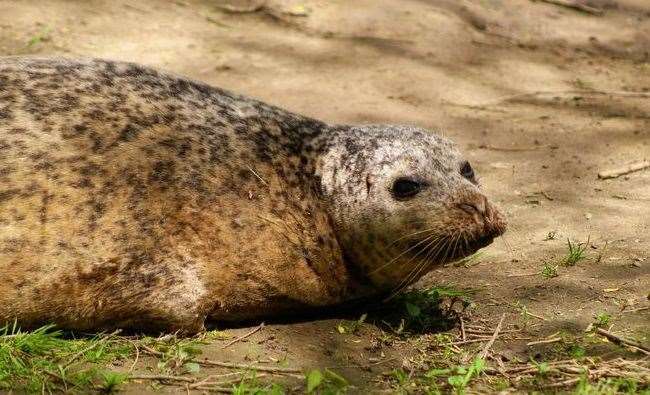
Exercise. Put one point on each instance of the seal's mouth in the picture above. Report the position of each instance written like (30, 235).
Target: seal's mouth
(468, 247)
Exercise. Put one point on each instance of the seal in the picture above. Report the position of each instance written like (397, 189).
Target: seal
(134, 198)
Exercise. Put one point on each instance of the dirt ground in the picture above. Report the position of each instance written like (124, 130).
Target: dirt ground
(537, 95)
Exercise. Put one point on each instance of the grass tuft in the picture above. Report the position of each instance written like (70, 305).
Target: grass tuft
(549, 270)
(576, 252)
(602, 320)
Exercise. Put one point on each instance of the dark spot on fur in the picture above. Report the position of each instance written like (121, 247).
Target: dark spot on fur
(8, 194)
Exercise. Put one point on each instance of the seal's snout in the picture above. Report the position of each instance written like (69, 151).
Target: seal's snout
(489, 222)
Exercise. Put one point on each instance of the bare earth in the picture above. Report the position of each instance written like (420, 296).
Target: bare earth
(537, 96)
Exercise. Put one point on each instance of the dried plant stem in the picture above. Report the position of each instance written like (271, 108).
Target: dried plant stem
(486, 349)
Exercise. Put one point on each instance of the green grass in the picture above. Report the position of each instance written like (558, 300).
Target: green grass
(549, 270)
(576, 252)
(43, 35)
(42, 360)
(453, 378)
(610, 386)
(112, 381)
(351, 326)
(602, 320)
(251, 385)
(325, 382)
(46, 360)
(49, 360)
(576, 351)
(420, 310)
(464, 375)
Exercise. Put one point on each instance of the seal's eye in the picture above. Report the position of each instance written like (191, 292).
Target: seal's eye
(467, 171)
(404, 188)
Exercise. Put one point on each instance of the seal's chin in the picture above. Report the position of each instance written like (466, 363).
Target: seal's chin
(480, 242)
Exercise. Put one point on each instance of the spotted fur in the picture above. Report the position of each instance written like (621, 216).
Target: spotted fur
(135, 198)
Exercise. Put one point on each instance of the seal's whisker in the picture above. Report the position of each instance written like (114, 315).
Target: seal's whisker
(405, 282)
(507, 244)
(444, 258)
(426, 247)
(406, 278)
(402, 254)
(455, 247)
(416, 273)
(411, 235)
(426, 239)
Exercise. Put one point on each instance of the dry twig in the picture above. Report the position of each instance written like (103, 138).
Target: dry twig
(486, 349)
(240, 338)
(576, 6)
(623, 341)
(545, 341)
(229, 365)
(462, 329)
(605, 174)
(636, 310)
(161, 377)
(231, 9)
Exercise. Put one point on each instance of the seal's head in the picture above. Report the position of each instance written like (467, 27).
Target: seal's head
(403, 200)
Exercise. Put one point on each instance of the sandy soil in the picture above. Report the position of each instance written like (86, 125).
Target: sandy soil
(472, 70)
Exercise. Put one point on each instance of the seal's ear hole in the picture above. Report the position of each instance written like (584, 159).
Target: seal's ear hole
(404, 188)
(467, 171)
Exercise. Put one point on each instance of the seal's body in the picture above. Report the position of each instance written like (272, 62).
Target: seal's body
(135, 198)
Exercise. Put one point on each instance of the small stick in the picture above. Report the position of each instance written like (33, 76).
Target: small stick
(242, 366)
(620, 340)
(77, 355)
(240, 338)
(523, 274)
(221, 390)
(472, 331)
(205, 383)
(213, 376)
(137, 356)
(465, 342)
(603, 175)
(563, 383)
(536, 316)
(228, 364)
(546, 195)
(462, 329)
(240, 10)
(576, 6)
(486, 349)
(635, 310)
(152, 351)
(546, 341)
(507, 149)
(161, 378)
